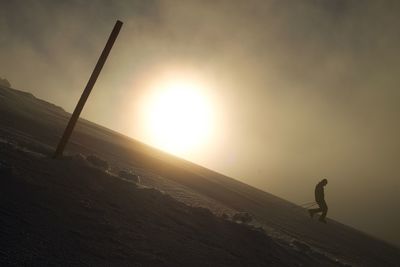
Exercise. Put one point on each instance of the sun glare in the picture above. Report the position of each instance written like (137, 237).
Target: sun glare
(178, 116)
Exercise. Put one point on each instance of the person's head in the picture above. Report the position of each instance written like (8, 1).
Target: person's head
(324, 181)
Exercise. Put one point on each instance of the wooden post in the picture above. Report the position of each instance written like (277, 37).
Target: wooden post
(95, 74)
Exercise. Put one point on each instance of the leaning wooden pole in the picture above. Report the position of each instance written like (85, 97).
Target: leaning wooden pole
(89, 86)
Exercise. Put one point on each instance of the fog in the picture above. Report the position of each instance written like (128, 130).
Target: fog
(303, 89)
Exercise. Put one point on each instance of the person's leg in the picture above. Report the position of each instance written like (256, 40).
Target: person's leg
(324, 209)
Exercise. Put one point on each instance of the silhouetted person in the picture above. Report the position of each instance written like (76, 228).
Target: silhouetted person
(320, 199)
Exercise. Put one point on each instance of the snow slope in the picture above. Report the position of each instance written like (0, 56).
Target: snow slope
(37, 125)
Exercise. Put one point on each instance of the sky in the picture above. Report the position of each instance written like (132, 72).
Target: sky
(300, 90)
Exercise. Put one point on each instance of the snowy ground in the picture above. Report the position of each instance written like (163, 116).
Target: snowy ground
(33, 128)
(67, 212)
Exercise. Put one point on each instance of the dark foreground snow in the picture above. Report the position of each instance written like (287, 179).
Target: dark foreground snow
(67, 212)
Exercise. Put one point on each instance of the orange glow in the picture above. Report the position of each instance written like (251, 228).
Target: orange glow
(178, 114)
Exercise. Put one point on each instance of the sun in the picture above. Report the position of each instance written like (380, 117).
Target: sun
(179, 116)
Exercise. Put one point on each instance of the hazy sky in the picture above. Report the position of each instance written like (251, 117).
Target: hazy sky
(301, 89)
